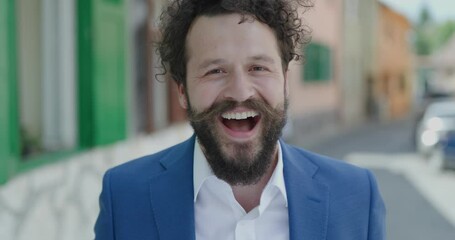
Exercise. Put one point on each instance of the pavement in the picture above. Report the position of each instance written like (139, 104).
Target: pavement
(419, 200)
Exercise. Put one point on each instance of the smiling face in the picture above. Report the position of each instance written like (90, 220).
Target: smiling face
(235, 94)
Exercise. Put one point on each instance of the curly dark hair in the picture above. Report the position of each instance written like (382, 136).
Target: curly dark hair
(280, 15)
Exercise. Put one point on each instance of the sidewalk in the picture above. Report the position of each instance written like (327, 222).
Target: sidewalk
(437, 187)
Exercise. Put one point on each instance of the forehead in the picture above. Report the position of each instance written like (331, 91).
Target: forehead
(227, 32)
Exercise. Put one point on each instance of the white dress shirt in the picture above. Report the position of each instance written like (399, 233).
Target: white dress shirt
(218, 215)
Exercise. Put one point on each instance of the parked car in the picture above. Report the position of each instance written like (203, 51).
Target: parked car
(443, 157)
(438, 120)
(422, 106)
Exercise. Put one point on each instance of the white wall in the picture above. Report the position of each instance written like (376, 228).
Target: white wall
(60, 201)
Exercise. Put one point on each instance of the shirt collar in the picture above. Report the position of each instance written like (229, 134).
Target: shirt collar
(277, 178)
(202, 171)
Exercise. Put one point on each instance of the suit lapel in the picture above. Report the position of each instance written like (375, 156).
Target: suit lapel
(308, 199)
(172, 194)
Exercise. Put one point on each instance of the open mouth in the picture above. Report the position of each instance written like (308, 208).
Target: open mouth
(240, 123)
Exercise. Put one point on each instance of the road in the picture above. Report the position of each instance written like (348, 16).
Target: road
(420, 201)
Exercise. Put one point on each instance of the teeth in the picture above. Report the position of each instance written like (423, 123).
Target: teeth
(240, 116)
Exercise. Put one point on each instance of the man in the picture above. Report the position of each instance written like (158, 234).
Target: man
(235, 179)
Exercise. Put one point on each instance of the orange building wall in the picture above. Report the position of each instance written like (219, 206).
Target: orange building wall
(393, 86)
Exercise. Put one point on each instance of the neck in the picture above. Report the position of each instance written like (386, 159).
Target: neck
(249, 196)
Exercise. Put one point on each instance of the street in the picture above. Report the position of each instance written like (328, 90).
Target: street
(419, 200)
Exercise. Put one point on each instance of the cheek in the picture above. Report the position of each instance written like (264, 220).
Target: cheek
(202, 97)
(272, 91)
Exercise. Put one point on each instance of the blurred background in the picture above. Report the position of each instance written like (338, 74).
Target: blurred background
(78, 95)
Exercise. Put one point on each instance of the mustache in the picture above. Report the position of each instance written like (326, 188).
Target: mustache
(265, 110)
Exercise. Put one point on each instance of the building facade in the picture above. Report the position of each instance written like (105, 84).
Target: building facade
(393, 78)
(359, 42)
(78, 95)
(315, 90)
(442, 65)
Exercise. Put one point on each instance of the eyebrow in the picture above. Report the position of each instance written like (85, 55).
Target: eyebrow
(219, 61)
(209, 62)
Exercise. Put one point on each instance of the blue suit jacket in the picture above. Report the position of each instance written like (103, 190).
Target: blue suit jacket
(152, 198)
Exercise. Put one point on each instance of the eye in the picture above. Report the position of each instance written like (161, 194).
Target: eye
(215, 71)
(257, 69)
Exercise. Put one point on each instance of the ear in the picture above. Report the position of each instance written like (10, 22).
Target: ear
(182, 96)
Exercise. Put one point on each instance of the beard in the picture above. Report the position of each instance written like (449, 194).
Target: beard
(239, 163)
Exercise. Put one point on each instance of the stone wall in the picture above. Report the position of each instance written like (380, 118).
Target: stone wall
(60, 201)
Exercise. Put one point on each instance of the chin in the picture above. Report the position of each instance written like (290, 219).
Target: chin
(241, 150)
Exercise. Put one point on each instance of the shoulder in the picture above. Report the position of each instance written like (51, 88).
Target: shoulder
(351, 187)
(331, 171)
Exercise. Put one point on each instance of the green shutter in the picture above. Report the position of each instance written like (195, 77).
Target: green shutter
(318, 66)
(85, 88)
(9, 132)
(102, 83)
(325, 61)
(109, 72)
(310, 67)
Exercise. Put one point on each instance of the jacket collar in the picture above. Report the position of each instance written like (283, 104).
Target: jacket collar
(308, 198)
(171, 194)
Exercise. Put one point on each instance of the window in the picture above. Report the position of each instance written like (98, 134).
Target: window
(46, 76)
(318, 66)
(53, 102)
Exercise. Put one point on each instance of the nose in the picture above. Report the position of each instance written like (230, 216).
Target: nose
(239, 87)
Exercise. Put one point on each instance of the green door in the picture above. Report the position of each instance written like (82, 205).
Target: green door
(102, 63)
(9, 132)
(109, 71)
